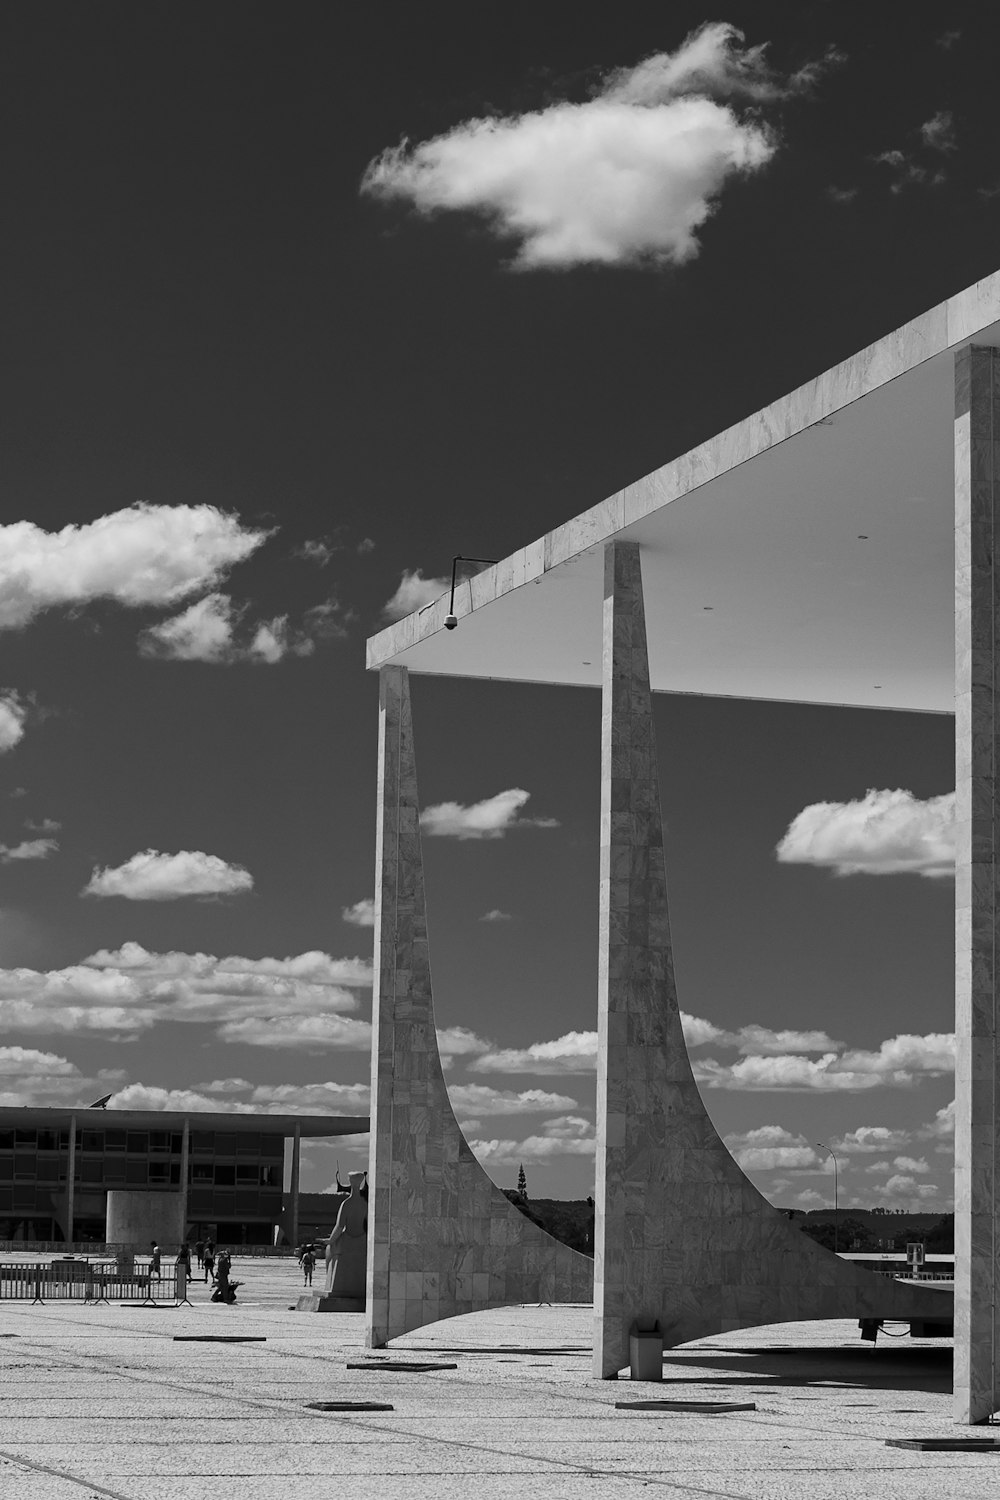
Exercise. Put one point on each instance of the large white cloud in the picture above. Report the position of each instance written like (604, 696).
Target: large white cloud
(489, 819)
(361, 914)
(899, 1062)
(126, 992)
(145, 555)
(152, 876)
(479, 1099)
(567, 1135)
(882, 833)
(627, 177)
(575, 1052)
(13, 714)
(868, 1139)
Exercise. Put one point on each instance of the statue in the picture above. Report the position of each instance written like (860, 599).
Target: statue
(346, 1249)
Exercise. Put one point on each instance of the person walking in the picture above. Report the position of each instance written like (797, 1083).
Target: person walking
(154, 1262)
(307, 1261)
(208, 1263)
(199, 1250)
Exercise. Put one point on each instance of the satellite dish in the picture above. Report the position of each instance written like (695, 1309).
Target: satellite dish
(101, 1103)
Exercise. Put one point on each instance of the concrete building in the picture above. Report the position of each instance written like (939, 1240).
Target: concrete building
(132, 1175)
(836, 547)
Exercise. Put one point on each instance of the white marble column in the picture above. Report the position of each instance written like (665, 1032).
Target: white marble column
(296, 1176)
(442, 1238)
(977, 634)
(681, 1235)
(71, 1182)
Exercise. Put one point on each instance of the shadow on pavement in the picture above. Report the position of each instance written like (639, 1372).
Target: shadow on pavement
(880, 1368)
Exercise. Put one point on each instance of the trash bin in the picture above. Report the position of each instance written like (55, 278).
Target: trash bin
(645, 1350)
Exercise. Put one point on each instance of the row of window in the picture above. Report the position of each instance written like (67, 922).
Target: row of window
(147, 1142)
(23, 1168)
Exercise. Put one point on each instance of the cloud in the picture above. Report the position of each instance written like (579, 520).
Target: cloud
(947, 39)
(900, 1062)
(771, 1148)
(489, 819)
(225, 1086)
(841, 195)
(480, 1099)
(496, 915)
(145, 555)
(47, 825)
(361, 914)
(152, 876)
(757, 1039)
(13, 714)
(310, 1033)
(319, 550)
(942, 1127)
(939, 131)
(365, 546)
(458, 1041)
(567, 1135)
(906, 1187)
(911, 1164)
(883, 833)
(125, 993)
(314, 1098)
(213, 630)
(907, 172)
(575, 1052)
(867, 1139)
(28, 849)
(627, 177)
(414, 592)
(20, 1061)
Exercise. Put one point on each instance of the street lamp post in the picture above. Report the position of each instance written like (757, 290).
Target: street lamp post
(836, 1198)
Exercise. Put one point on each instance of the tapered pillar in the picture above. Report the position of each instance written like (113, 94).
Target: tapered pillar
(442, 1238)
(681, 1236)
(977, 1066)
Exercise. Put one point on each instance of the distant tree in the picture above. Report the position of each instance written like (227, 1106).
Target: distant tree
(840, 1236)
(941, 1236)
(522, 1204)
(522, 1183)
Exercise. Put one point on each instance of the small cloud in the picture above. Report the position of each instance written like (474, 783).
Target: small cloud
(318, 551)
(883, 833)
(225, 1086)
(310, 1033)
(459, 1041)
(575, 1052)
(413, 593)
(47, 825)
(942, 1127)
(361, 914)
(213, 630)
(567, 1135)
(13, 714)
(841, 195)
(771, 1148)
(152, 876)
(903, 1186)
(365, 546)
(868, 1139)
(911, 1164)
(947, 40)
(939, 131)
(489, 819)
(480, 1099)
(496, 915)
(28, 849)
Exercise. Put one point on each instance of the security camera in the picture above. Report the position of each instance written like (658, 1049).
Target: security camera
(450, 622)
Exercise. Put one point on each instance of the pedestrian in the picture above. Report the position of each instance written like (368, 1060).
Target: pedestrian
(307, 1261)
(199, 1250)
(154, 1262)
(210, 1247)
(208, 1263)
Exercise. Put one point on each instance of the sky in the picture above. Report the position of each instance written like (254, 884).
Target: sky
(299, 302)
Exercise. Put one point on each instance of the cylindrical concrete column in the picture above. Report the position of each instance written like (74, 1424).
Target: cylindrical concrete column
(296, 1168)
(71, 1180)
(185, 1170)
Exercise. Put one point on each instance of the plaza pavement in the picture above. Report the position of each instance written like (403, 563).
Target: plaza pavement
(99, 1402)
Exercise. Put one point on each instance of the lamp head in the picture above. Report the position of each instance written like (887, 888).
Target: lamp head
(451, 622)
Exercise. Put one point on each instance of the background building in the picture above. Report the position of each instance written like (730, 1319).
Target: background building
(57, 1167)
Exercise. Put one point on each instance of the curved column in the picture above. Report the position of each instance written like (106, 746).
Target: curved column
(442, 1238)
(681, 1235)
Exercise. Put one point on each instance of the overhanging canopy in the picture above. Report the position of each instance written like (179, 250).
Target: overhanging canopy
(806, 554)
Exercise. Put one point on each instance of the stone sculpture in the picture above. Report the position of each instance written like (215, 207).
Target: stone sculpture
(346, 1248)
